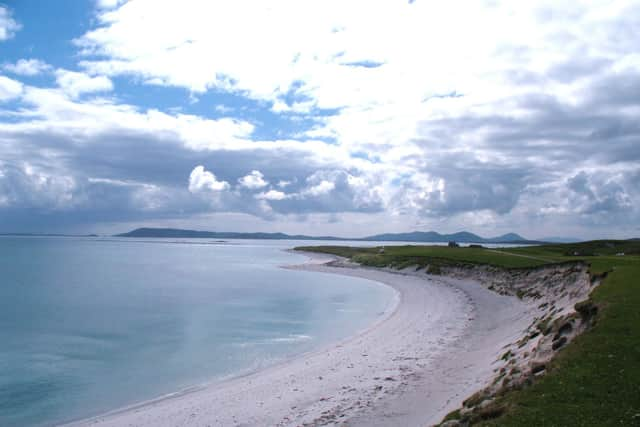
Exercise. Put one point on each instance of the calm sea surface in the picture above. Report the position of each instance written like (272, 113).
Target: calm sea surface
(89, 325)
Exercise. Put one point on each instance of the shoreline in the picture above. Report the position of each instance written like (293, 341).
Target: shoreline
(314, 259)
(433, 348)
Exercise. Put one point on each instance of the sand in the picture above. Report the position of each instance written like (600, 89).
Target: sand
(436, 345)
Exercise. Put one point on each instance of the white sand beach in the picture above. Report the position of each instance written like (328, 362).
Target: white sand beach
(434, 347)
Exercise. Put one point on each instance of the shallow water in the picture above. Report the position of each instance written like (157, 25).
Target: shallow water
(89, 325)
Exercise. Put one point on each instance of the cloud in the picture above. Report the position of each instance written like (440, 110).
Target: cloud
(328, 191)
(9, 88)
(385, 97)
(91, 141)
(530, 124)
(88, 119)
(462, 190)
(253, 181)
(37, 197)
(108, 4)
(203, 180)
(27, 185)
(223, 109)
(74, 83)
(271, 195)
(600, 193)
(323, 187)
(8, 26)
(27, 67)
(280, 106)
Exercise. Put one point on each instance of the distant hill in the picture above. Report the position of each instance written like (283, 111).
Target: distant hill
(416, 236)
(461, 237)
(193, 234)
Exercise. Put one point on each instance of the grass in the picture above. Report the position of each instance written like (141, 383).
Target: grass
(399, 256)
(595, 380)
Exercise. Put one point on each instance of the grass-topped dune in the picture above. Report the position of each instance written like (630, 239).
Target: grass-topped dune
(555, 375)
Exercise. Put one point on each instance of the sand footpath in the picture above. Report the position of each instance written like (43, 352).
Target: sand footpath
(420, 360)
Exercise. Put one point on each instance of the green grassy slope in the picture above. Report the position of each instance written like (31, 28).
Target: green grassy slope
(398, 256)
(594, 381)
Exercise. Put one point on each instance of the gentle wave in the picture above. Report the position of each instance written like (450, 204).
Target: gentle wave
(293, 338)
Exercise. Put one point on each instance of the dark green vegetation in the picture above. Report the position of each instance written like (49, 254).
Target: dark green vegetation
(595, 380)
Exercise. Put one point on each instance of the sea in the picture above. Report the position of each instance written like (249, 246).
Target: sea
(89, 325)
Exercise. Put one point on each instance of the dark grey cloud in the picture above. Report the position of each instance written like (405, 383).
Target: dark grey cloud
(600, 193)
(577, 68)
(126, 176)
(343, 197)
(468, 185)
(586, 147)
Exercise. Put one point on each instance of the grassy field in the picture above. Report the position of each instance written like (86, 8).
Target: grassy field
(400, 256)
(594, 381)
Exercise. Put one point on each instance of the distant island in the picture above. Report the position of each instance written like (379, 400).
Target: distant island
(416, 236)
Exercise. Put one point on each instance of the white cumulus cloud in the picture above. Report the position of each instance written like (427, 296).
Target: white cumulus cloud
(253, 181)
(201, 179)
(27, 67)
(74, 83)
(109, 4)
(8, 26)
(323, 187)
(9, 88)
(271, 195)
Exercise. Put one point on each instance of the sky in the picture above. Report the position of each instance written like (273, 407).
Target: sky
(321, 117)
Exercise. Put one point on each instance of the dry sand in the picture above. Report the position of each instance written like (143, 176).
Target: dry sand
(435, 347)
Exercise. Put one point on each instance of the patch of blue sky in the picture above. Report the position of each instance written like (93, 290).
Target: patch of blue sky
(216, 104)
(16, 111)
(400, 179)
(145, 96)
(295, 93)
(272, 126)
(48, 30)
(43, 80)
(373, 158)
(10, 113)
(47, 34)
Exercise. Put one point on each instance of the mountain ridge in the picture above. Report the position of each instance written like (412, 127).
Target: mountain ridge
(415, 236)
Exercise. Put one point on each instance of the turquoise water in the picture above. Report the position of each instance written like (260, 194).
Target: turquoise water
(90, 325)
